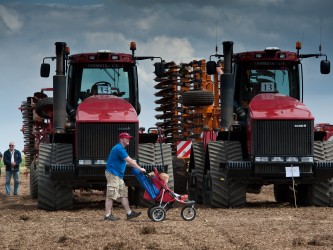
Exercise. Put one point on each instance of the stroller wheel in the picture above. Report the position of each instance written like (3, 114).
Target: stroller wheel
(188, 213)
(157, 214)
(149, 211)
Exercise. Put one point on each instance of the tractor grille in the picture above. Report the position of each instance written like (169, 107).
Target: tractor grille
(95, 140)
(286, 137)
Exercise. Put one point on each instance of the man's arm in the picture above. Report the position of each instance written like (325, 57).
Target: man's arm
(19, 158)
(133, 163)
(6, 159)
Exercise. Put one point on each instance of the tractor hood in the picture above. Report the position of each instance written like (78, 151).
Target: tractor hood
(273, 106)
(106, 108)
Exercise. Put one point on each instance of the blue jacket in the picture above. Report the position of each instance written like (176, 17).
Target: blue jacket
(7, 159)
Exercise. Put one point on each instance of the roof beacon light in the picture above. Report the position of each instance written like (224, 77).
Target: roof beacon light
(67, 50)
(298, 45)
(133, 46)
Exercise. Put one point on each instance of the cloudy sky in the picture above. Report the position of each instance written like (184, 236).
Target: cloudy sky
(175, 30)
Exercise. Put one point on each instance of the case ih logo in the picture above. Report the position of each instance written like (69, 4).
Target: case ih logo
(300, 126)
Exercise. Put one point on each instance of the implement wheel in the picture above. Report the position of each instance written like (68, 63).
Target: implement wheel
(198, 98)
(44, 107)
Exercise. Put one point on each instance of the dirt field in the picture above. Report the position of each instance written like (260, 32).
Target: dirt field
(263, 224)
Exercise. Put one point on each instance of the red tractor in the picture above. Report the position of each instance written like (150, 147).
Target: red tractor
(68, 136)
(266, 134)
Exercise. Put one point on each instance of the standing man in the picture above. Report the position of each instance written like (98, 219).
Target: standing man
(12, 160)
(114, 173)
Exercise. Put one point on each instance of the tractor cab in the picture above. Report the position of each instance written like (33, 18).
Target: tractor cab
(269, 71)
(102, 73)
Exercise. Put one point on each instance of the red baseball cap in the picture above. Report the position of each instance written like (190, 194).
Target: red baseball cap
(125, 135)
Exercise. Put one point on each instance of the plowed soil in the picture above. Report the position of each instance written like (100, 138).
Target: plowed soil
(262, 224)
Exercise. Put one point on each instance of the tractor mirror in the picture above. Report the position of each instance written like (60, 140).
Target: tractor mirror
(159, 69)
(325, 67)
(45, 70)
(211, 67)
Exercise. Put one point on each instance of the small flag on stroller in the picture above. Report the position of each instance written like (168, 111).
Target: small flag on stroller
(146, 183)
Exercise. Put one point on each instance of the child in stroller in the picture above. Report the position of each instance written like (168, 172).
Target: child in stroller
(157, 190)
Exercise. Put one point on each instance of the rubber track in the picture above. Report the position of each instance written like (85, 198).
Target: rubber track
(33, 181)
(321, 194)
(53, 195)
(145, 153)
(199, 165)
(225, 192)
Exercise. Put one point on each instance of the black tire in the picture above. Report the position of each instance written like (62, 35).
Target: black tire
(157, 214)
(44, 107)
(197, 98)
(33, 181)
(188, 213)
(53, 195)
(149, 211)
(225, 192)
(302, 195)
(282, 193)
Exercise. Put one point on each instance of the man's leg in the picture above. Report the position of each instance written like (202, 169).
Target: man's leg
(8, 177)
(16, 176)
(125, 203)
(108, 206)
(111, 194)
(129, 213)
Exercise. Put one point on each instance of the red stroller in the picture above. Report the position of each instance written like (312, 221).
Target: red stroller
(165, 199)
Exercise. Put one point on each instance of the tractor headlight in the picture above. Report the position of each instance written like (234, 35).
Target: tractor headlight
(100, 162)
(292, 159)
(85, 162)
(307, 159)
(92, 162)
(261, 159)
(277, 159)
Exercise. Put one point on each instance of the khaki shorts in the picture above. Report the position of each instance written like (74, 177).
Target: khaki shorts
(115, 187)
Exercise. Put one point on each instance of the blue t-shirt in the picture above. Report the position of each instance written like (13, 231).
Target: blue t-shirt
(116, 163)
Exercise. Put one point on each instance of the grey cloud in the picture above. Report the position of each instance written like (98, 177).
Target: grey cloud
(10, 18)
